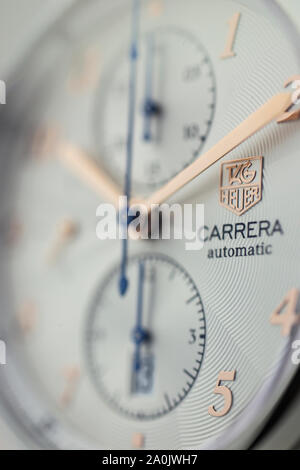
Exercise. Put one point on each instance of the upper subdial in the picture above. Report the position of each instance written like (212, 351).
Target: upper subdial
(174, 108)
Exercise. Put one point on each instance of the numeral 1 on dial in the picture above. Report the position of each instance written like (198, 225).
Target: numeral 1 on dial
(225, 391)
(233, 27)
(290, 317)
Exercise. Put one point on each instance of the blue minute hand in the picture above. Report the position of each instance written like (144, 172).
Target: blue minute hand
(130, 137)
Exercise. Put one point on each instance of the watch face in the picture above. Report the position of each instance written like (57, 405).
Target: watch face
(144, 343)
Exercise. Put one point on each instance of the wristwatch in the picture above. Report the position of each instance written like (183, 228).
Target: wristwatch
(189, 339)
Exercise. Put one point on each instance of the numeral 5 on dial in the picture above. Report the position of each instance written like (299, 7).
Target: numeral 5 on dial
(225, 392)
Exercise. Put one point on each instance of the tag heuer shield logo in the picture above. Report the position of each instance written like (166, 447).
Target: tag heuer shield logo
(241, 184)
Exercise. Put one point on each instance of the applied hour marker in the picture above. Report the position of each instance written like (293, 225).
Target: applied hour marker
(225, 391)
(233, 27)
(27, 316)
(138, 440)
(290, 317)
(66, 231)
(71, 375)
(155, 8)
(86, 72)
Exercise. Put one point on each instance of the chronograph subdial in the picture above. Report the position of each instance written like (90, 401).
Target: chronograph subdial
(129, 355)
(176, 99)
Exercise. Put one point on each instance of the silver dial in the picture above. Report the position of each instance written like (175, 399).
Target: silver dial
(64, 336)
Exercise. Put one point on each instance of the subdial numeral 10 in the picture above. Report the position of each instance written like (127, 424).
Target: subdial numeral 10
(228, 376)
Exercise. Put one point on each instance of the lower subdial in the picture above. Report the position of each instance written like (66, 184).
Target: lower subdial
(145, 350)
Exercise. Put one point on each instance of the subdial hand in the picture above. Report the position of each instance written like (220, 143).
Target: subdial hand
(150, 107)
(139, 334)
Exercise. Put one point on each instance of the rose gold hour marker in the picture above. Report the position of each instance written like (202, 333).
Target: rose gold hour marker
(14, 232)
(225, 392)
(66, 231)
(290, 317)
(155, 7)
(295, 114)
(27, 316)
(71, 375)
(233, 26)
(44, 141)
(86, 72)
(138, 440)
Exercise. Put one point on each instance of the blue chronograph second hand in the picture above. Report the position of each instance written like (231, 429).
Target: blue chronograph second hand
(123, 285)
